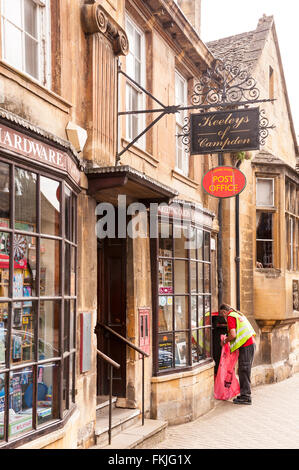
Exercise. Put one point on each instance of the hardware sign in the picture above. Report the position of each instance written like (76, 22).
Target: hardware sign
(225, 131)
(224, 181)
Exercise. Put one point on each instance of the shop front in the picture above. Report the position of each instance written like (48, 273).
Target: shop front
(39, 179)
(182, 270)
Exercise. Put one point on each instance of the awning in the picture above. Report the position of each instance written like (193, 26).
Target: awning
(107, 183)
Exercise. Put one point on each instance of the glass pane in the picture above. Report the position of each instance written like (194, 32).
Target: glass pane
(206, 246)
(72, 380)
(200, 287)
(165, 240)
(180, 250)
(73, 271)
(165, 276)
(49, 268)
(130, 65)
(264, 225)
(192, 242)
(47, 404)
(264, 254)
(165, 313)
(181, 349)
(25, 200)
(24, 280)
(49, 319)
(195, 349)
(137, 71)
(3, 335)
(66, 336)
(181, 277)
(68, 213)
(200, 307)
(193, 279)
(24, 318)
(13, 11)
(12, 35)
(50, 206)
(207, 338)
(30, 17)
(2, 404)
(165, 351)
(207, 278)
(264, 192)
(137, 45)
(21, 394)
(181, 313)
(67, 269)
(199, 243)
(193, 311)
(31, 56)
(4, 263)
(4, 195)
(65, 390)
(72, 324)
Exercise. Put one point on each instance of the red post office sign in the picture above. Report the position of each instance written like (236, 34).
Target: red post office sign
(224, 181)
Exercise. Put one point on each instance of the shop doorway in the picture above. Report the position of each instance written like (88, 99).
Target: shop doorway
(112, 313)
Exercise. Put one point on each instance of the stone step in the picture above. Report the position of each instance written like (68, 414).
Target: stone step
(137, 436)
(122, 418)
(103, 401)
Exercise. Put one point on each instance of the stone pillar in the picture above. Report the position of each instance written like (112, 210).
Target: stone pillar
(106, 41)
(192, 11)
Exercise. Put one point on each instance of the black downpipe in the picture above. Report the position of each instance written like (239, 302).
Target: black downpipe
(219, 243)
(237, 259)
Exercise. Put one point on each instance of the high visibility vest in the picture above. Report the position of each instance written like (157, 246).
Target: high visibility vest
(243, 329)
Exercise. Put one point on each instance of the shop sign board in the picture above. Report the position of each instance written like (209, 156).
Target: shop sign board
(224, 131)
(224, 181)
(38, 151)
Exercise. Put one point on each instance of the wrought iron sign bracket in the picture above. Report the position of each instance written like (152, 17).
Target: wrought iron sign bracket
(223, 86)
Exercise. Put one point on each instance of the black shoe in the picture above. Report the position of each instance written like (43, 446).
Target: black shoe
(242, 400)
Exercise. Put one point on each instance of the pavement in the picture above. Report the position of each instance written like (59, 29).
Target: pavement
(271, 422)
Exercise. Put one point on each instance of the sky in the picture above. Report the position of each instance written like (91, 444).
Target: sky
(226, 18)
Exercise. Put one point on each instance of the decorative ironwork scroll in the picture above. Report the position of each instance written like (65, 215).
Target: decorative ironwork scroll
(264, 127)
(225, 83)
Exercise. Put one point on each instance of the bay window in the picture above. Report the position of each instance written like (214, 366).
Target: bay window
(184, 297)
(37, 300)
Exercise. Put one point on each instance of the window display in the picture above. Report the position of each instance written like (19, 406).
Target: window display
(32, 345)
(183, 319)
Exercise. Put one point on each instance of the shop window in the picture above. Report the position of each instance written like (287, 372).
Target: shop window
(25, 24)
(182, 157)
(37, 309)
(184, 298)
(265, 219)
(135, 69)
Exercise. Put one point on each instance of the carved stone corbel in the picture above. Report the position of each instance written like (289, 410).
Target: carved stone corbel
(95, 19)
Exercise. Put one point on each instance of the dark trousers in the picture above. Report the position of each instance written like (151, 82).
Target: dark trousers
(246, 355)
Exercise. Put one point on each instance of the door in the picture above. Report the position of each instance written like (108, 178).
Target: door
(112, 312)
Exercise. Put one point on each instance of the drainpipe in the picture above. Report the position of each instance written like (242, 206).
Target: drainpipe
(219, 243)
(237, 258)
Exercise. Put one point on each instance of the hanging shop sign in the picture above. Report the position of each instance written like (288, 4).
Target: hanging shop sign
(224, 181)
(38, 151)
(225, 131)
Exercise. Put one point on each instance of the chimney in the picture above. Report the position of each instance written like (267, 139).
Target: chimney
(192, 11)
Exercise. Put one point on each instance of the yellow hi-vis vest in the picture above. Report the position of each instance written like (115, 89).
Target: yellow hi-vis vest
(243, 329)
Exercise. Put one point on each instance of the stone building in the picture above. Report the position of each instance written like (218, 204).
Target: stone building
(75, 166)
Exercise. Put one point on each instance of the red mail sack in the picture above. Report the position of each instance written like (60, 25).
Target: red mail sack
(226, 383)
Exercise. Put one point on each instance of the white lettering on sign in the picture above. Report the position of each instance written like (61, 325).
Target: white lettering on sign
(36, 150)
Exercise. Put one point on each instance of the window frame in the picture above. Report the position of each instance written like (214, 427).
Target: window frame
(43, 40)
(179, 124)
(270, 209)
(66, 387)
(206, 326)
(129, 86)
(292, 224)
